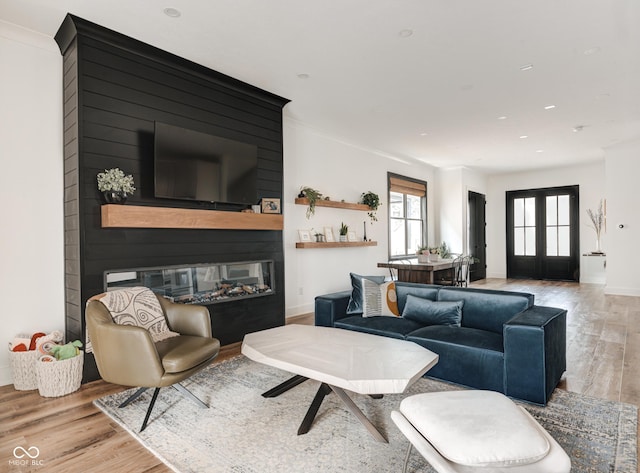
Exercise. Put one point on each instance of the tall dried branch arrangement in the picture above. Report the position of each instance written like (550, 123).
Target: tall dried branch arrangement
(597, 219)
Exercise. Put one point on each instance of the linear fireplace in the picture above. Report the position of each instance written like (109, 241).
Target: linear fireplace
(209, 283)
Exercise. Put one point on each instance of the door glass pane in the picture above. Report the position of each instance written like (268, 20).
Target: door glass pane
(518, 212)
(564, 238)
(563, 210)
(396, 205)
(518, 243)
(415, 236)
(397, 237)
(552, 241)
(530, 241)
(530, 212)
(414, 207)
(552, 210)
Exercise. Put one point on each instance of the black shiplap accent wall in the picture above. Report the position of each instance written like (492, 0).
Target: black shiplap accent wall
(114, 89)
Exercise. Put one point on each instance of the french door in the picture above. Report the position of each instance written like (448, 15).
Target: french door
(542, 233)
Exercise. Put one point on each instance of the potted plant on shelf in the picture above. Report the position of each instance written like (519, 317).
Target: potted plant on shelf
(312, 196)
(372, 200)
(597, 221)
(115, 186)
(344, 229)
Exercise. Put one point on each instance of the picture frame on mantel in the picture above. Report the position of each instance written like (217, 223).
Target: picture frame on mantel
(270, 205)
(351, 236)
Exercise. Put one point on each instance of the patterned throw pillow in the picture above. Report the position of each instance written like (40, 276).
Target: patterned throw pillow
(379, 299)
(137, 306)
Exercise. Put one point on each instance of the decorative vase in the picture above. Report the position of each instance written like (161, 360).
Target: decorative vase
(423, 258)
(434, 257)
(343, 238)
(114, 197)
(598, 248)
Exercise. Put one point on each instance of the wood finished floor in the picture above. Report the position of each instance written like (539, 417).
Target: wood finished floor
(603, 357)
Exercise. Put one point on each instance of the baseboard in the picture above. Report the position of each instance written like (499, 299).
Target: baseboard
(299, 310)
(622, 291)
(6, 377)
(496, 276)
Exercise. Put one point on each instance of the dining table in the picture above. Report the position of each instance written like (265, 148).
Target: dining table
(410, 270)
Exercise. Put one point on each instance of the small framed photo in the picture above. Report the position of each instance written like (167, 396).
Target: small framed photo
(328, 234)
(270, 205)
(351, 236)
(304, 235)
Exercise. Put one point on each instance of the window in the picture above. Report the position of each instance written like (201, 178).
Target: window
(407, 215)
(524, 226)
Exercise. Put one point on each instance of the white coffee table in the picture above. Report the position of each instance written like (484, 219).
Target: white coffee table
(340, 359)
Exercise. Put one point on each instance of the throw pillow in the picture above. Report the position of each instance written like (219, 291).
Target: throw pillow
(137, 306)
(379, 299)
(428, 312)
(355, 302)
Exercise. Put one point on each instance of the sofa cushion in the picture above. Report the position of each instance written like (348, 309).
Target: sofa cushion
(426, 291)
(394, 327)
(379, 299)
(427, 312)
(487, 309)
(355, 302)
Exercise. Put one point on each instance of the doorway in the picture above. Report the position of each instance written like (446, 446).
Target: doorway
(542, 233)
(477, 235)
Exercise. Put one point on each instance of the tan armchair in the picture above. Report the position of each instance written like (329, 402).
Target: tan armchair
(127, 355)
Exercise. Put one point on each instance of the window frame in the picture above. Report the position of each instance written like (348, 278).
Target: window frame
(423, 212)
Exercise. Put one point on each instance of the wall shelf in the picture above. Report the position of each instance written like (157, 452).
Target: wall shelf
(136, 216)
(334, 244)
(334, 204)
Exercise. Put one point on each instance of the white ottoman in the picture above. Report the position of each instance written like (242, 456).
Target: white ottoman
(464, 431)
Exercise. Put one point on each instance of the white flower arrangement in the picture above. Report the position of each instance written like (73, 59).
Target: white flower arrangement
(114, 180)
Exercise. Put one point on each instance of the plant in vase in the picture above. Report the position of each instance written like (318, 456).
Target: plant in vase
(423, 254)
(115, 185)
(372, 200)
(312, 196)
(344, 229)
(597, 222)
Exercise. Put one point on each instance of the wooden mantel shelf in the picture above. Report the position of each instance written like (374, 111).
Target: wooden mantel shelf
(334, 204)
(135, 216)
(334, 244)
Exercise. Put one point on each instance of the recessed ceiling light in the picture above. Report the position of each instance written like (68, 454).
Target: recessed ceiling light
(503, 117)
(578, 128)
(522, 137)
(539, 151)
(549, 107)
(424, 133)
(526, 67)
(172, 12)
(405, 33)
(590, 51)
(303, 76)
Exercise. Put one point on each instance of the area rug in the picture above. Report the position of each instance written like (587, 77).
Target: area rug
(242, 432)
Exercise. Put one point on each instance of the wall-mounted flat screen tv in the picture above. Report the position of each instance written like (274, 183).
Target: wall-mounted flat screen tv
(191, 165)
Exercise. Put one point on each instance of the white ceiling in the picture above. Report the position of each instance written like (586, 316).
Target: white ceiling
(434, 96)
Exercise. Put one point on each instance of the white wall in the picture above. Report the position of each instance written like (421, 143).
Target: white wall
(623, 207)
(341, 171)
(590, 178)
(31, 187)
(452, 205)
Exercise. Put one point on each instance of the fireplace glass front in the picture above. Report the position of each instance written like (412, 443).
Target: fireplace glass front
(200, 284)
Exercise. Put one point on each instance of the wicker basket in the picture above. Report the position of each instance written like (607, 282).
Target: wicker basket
(23, 369)
(58, 378)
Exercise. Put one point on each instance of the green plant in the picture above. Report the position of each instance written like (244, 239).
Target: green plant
(344, 229)
(115, 180)
(372, 200)
(313, 196)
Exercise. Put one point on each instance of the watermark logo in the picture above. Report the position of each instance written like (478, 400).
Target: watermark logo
(26, 456)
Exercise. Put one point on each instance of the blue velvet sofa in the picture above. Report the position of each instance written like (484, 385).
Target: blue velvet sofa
(504, 342)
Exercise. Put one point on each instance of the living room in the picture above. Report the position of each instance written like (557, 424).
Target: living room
(339, 167)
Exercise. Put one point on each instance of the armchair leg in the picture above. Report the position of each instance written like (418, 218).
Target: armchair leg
(151, 404)
(132, 398)
(188, 394)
